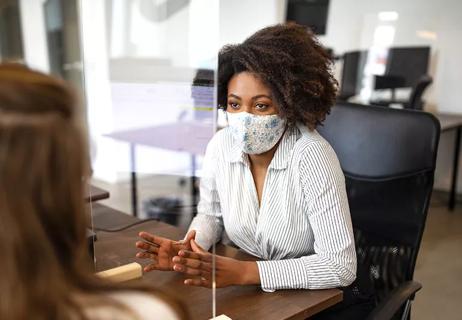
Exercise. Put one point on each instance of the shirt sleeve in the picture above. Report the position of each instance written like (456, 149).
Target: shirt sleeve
(209, 222)
(334, 262)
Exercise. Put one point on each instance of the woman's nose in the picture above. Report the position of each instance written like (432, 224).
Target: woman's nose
(247, 108)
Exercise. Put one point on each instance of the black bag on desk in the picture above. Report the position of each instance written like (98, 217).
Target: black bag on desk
(165, 209)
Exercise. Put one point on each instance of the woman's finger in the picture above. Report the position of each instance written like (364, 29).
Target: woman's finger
(206, 257)
(154, 240)
(147, 255)
(189, 254)
(198, 282)
(147, 247)
(187, 270)
(190, 236)
(196, 247)
(151, 267)
(192, 263)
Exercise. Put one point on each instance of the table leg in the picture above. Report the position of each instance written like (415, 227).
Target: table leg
(455, 171)
(133, 182)
(193, 181)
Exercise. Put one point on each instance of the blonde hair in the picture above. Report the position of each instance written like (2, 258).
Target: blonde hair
(43, 161)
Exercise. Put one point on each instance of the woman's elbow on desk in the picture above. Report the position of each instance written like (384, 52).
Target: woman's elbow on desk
(346, 272)
(330, 270)
(347, 277)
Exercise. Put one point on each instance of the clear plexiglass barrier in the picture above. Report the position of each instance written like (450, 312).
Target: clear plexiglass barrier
(149, 80)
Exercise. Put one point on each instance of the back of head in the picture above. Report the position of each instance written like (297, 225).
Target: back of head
(42, 165)
(44, 269)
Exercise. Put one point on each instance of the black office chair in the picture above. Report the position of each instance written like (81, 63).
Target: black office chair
(415, 101)
(388, 158)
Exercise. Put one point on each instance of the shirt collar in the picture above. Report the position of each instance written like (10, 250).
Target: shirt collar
(281, 156)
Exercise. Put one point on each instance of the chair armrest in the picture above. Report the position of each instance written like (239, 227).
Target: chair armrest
(395, 300)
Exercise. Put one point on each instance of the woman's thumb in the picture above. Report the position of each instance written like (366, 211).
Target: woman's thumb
(191, 235)
(196, 247)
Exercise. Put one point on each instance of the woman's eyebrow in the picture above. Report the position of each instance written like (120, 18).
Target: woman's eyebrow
(231, 95)
(261, 96)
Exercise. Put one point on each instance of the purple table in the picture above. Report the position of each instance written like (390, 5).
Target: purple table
(190, 137)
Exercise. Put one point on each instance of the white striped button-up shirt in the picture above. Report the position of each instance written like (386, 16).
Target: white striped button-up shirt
(302, 231)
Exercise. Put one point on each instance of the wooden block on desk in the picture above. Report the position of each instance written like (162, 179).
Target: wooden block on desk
(221, 317)
(123, 273)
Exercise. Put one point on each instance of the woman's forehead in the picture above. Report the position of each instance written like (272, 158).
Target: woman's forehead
(247, 83)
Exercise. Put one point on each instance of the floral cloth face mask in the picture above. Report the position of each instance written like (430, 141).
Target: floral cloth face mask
(256, 134)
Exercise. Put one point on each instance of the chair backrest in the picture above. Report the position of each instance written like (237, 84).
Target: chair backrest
(388, 158)
(415, 100)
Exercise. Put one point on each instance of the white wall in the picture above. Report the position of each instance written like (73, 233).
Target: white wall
(34, 34)
(350, 27)
(239, 19)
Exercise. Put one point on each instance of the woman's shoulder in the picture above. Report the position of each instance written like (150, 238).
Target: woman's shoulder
(135, 305)
(314, 155)
(315, 160)
(222, 136)
(221, 143)
(310, 143)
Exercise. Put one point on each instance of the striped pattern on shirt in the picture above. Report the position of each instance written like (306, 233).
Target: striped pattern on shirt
(302, 231)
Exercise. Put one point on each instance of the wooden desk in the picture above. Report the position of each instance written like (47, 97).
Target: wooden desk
(250, 302)
(451, 122)
(97, 194)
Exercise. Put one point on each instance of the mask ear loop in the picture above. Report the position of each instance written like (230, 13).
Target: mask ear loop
(223, 109)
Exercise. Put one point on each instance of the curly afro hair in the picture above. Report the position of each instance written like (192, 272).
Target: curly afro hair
(290, 61)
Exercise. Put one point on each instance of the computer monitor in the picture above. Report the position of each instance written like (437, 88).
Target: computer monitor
(404, 67)
(352, 71)
(310, 13)
(409, 63)
(202, 93)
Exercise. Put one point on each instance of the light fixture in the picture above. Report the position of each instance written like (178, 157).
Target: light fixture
(388, 16)
(425, 34)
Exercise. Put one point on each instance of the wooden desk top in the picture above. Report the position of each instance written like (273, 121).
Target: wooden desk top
(249, 302)
(449, 121)
(97, 194)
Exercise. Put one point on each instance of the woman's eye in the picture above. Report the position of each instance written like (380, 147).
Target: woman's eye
(233, 105)
(261, 106)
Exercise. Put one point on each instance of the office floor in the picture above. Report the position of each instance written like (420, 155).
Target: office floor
(439, 264)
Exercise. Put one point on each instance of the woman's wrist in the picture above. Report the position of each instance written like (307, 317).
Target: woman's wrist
(249, 274)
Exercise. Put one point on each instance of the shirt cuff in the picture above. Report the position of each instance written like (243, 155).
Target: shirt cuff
(282, 274)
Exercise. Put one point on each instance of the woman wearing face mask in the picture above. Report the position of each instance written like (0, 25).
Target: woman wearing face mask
(270, 180)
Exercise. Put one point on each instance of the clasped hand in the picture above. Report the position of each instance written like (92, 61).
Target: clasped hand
(189, 258)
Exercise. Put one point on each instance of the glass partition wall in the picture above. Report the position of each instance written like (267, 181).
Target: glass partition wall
(149, 70)
(144, 72)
